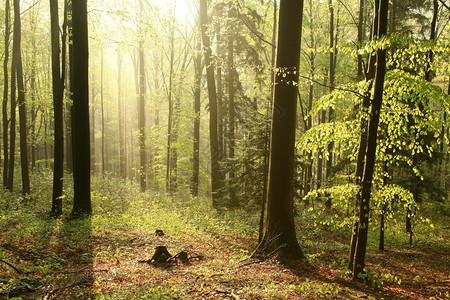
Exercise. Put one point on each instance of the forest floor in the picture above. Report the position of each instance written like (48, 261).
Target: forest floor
(101, 257)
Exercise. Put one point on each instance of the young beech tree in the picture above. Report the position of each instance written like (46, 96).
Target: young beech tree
(364, 208)
(279, 235)
(81, 167)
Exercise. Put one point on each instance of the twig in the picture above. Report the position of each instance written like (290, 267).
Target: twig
(52, 292)
(234, 296)
(9, 264)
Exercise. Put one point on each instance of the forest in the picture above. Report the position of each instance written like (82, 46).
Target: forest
(225, 149)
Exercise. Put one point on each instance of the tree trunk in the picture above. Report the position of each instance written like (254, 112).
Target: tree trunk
(365, 104)
(279, 235)
(430, 58)
(122, 155)
(360, 37)
(231, 92)
(12, 133)
(81, 172)
(5, 97)
(69, 107)
(142, 150)
(213, 138)
(332, 66)
(198, 66)
(361, 243)
(267, 136)
(58, 90)
(102, 108)
(169, 170)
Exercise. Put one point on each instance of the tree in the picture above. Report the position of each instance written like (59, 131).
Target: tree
(81, 167)
(5, 97)
(213, 138)
(58, 93)
(141, 109)
(198, 67)
(279, 235)
(364, 207)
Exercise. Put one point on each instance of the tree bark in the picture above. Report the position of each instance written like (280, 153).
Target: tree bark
(365, 104)
(279, 236)
(198, 67)
(122, 155)
(5, 96)
(213, 138)
(81, 173)
(58, 90)
(364, 210)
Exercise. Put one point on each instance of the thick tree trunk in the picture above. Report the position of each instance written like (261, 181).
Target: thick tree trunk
(58, 90)
(361, 244)
(81, 173)
(213, 138)
(279, 235)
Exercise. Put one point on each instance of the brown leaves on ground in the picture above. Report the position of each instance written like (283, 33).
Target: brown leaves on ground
(109, 265)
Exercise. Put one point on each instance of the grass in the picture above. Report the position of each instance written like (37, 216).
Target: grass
(99, 257)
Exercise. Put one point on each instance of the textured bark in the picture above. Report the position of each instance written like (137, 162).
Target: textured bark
(231, 93)
(364, 210)
(212, 95)
(279, 235)
(81, 172)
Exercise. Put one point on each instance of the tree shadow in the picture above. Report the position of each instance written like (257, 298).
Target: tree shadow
(74, 249)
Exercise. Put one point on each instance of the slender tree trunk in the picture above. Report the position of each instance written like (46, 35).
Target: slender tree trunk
(69, 107)
(213, 138)
(365, 104)
(279, 235)
(142, 150)
(428, 71)
(81, 173)
(58, 90)
(198, 67)
(122, 155)
(12, 135)
(26, 190)
(103, 113)
(361, 244)
(169, 170)
(231, 101)
(267, 136)
(5, 96)
(360, 37)
(332, 67)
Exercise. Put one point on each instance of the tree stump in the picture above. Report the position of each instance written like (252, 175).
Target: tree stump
(161, 255)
